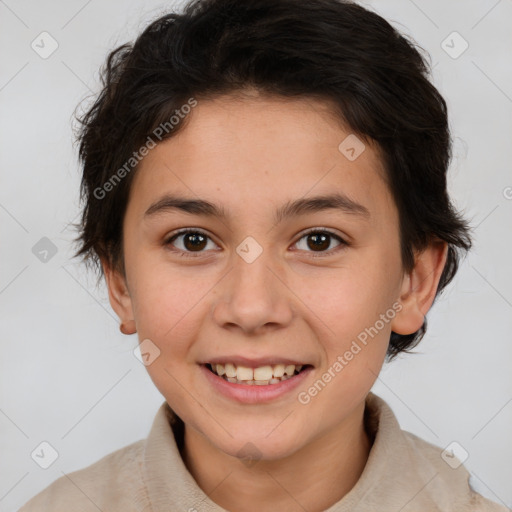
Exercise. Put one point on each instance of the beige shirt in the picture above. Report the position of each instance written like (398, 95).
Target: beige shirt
(403, 474)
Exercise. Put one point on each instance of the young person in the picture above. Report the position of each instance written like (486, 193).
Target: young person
(265, 194)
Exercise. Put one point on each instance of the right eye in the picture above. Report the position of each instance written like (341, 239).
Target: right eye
(192, 239)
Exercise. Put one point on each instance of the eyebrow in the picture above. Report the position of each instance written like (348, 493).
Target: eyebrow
(337, 201)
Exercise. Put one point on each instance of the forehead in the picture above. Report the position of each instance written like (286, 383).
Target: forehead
(249, 152)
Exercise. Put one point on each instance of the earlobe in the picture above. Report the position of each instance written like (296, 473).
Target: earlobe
(119, 298)
(128, 328)
(419, 288)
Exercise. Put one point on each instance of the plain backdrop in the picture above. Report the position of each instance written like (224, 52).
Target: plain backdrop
(68, 377)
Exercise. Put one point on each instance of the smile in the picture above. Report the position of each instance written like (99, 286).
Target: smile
(260, 376)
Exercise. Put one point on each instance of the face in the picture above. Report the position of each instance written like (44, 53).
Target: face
(263, 285)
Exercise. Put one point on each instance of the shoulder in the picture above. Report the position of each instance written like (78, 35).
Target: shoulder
(450, 483)
(405, 472)
(114, 482)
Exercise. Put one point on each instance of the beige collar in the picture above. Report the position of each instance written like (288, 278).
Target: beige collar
(403, 472)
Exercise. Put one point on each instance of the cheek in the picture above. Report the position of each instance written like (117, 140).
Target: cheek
(355, 314)
(166, 313)
(356, 306)
(166, 307)
(351, 299)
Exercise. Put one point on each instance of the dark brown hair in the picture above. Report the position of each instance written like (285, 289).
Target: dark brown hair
(325, 49)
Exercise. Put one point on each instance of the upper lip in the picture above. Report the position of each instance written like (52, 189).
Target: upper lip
(254, 362)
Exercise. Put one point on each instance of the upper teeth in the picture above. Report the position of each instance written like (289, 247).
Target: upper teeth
(261, 373)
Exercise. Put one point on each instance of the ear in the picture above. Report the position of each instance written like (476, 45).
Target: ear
(119, 297)
(419, 288)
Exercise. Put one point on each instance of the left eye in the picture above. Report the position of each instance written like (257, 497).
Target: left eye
(321, 239)
(194, 240)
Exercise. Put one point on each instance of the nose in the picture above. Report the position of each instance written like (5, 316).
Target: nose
(254, 296)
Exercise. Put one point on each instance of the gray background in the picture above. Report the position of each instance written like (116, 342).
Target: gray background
(69, 377)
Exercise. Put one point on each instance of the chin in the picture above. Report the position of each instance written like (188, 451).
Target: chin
(250, 448)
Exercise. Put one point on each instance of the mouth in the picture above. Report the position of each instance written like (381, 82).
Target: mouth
(260, 376)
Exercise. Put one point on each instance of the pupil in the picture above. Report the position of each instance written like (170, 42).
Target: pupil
(323, 238)
(196, 240)
(196, 243)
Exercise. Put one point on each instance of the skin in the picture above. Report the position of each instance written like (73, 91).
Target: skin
(252, 154)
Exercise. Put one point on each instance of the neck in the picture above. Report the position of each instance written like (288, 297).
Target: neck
(313, 478)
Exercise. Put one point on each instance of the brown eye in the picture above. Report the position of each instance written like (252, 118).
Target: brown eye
(320, 241)
(190, 241)
(193, 242)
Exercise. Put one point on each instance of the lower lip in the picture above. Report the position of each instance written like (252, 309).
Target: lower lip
(254, 394)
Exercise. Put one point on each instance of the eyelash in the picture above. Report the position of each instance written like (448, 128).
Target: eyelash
(322, 254)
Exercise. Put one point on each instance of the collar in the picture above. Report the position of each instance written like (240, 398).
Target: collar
(403, 472)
